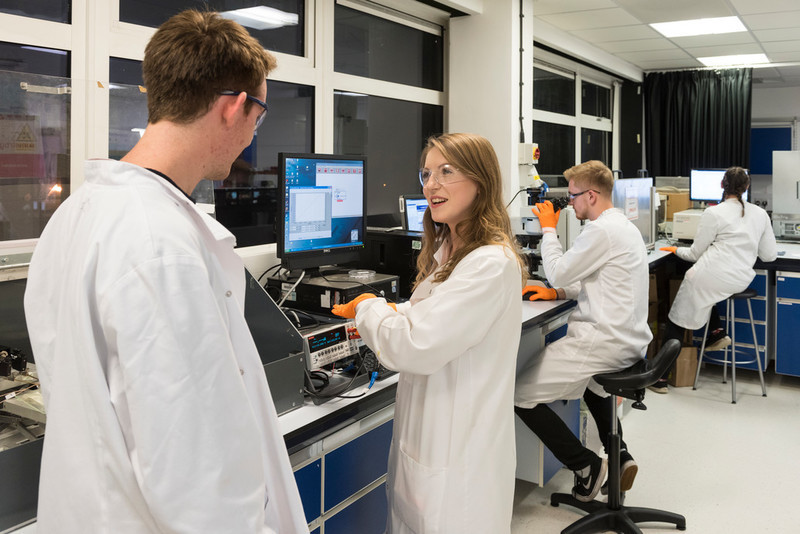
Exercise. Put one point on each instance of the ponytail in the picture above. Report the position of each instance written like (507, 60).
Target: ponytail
(735, 183)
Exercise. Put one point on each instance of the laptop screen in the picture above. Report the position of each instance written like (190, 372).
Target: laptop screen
(415, 207)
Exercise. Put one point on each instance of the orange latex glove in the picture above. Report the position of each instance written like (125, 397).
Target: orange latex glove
(669, 249)
(540, 293)
(547, 217)
(348, 310)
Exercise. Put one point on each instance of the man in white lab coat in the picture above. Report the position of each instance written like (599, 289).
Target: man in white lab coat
(159, 417)
(607, 271)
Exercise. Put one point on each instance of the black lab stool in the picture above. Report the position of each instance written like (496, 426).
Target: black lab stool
(730, 326)
(629, 383)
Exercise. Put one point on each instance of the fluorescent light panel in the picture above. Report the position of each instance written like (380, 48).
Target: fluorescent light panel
(262, 17)
(685, 28)
(743, 59)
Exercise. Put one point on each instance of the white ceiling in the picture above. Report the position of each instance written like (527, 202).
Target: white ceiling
(620, 27)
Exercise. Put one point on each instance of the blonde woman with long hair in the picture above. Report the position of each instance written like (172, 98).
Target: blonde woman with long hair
(452, 461)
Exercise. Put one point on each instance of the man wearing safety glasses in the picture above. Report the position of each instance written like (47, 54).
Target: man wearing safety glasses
(606, 271)
(159, 414)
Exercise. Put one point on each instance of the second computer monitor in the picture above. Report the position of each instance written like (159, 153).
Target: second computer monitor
(414, 207)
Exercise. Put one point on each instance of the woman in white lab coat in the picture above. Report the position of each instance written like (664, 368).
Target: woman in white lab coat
(452, 461)
(730, 237)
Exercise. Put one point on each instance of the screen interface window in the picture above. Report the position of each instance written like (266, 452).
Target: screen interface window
(324, 204)
(415, 210)
(706, 185)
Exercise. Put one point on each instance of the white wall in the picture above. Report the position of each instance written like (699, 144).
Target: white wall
(779, 104)
(483, 80)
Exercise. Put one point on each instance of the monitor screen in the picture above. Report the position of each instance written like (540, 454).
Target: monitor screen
(705, 185)
(414, 207)
(322, 219)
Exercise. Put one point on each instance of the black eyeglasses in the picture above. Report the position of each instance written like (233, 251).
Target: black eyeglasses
(263, 104)
(572, 196)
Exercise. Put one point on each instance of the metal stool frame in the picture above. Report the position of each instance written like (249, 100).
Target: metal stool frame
(730, 326)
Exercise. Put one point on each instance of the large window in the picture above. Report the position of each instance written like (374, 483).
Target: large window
(557, 146)
(353, 76)
(595, 100)
(372, 47)
(34, 138)
(55, 10)
(553, 91)
(596, 144)
(277, 24)
(572, 115)
(392, 133)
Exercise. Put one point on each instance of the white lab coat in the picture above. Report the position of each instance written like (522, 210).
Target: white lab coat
(452, 460)
(725, 250)
(159, 417)
(607, 269)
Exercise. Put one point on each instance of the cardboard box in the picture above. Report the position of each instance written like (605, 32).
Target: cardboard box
(676, 202)
(684, 369)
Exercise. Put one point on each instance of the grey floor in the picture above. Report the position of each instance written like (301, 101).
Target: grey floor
(728, 468)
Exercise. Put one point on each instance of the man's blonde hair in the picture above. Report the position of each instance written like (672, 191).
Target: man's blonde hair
(593, 175)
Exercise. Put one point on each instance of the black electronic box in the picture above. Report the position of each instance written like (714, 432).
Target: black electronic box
(319, 294)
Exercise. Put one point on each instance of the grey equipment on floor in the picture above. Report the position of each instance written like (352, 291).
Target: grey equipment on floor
(631, 384)
(730, 326)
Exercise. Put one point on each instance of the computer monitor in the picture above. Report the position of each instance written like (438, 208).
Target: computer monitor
(705, 185)
(322, 217)
(414, 207)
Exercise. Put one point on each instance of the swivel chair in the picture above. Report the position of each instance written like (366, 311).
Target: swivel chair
(629, 383)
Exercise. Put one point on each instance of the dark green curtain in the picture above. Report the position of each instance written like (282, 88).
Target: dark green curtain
(697, 119)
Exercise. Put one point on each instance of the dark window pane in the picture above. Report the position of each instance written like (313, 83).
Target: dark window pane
(34, 59)
(595, 100)
(247, 200)
(34, 151)
(372, 47)
(557, 146)
(55, 10)
(553, 92)
(127, 117)
(595, 144)
(125, 71)
(279, 31)
(368, 125)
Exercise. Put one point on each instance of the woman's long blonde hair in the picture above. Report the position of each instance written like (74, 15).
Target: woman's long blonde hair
(487, 223)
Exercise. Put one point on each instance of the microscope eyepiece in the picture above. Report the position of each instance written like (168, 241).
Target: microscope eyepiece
(559, 203)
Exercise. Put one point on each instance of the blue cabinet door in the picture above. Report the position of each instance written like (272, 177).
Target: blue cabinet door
(787, 355)
(309, 483)
(356, 464)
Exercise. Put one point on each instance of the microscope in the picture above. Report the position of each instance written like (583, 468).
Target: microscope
(529, 230)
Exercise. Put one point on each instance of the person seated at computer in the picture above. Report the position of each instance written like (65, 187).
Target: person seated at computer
(606, 270)
(730, 236)
(452, 460)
